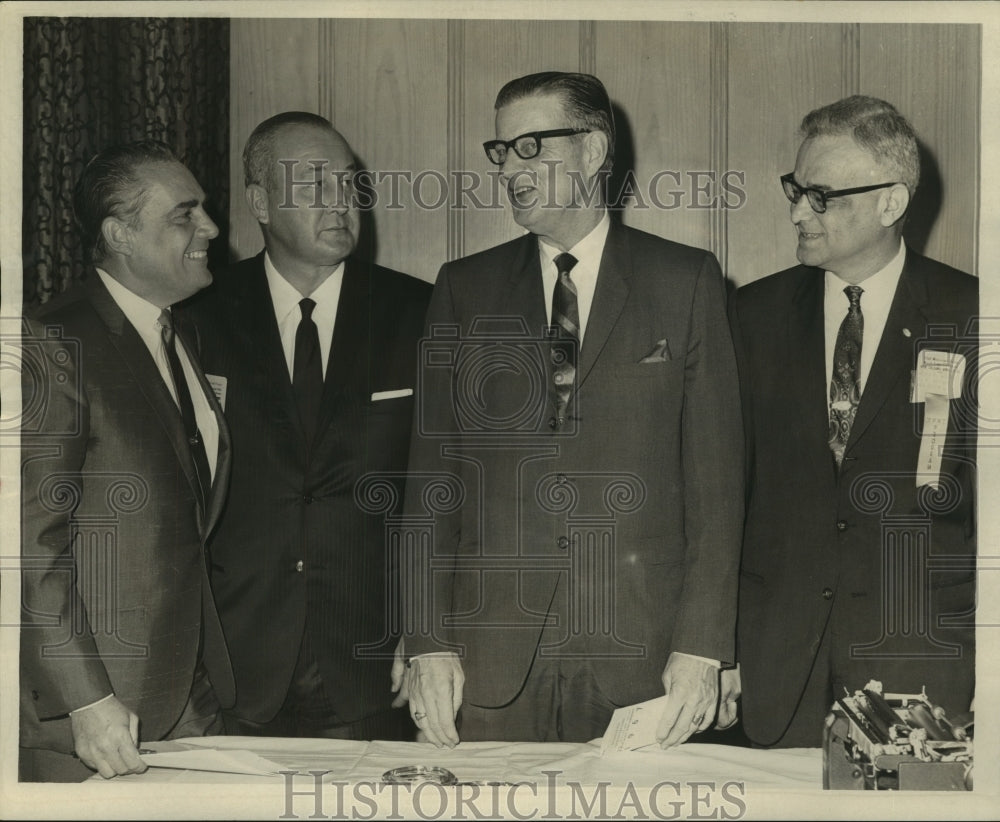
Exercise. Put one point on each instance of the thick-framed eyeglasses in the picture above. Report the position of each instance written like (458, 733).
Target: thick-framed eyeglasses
(526, 146)
(818, 197)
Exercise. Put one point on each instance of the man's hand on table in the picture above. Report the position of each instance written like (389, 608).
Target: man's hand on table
(692, 689)
(105, 738)
(432, 684)
(730, 689)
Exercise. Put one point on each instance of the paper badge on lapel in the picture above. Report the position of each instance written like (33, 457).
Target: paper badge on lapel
(937, 380)
(218, 387)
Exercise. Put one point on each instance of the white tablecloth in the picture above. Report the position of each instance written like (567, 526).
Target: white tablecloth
(354, 762)
(540, 782)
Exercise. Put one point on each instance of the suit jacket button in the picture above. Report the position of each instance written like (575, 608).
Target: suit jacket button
(828, 593)
(308, 499)
(299, 566)
(34, 695)
(563, 543)
(841, 525)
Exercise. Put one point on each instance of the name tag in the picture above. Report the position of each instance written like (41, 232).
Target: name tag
(938, 373)
(218, 388)
(937, 380)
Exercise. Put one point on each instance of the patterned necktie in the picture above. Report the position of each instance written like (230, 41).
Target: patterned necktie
(307, 369)
(565, 335)
(845, 386)
(186, 406)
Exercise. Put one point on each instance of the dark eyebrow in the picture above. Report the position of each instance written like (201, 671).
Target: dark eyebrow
(187, 205)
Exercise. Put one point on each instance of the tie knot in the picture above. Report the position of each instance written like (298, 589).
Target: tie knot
(306, 305)
(166, 321)
(854, 293)
(565, 262)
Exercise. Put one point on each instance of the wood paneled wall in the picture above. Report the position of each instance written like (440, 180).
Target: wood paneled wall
(708, 109)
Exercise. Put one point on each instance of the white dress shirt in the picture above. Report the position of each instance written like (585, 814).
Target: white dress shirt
(876, 300)
(588, 253)
(145, 318)
(287, 312)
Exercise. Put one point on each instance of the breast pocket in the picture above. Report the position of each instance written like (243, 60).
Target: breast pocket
(661, 369)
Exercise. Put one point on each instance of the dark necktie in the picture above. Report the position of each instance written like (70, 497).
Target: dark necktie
(565, 335)
(186, 406)
(307, 370)
(845, 386)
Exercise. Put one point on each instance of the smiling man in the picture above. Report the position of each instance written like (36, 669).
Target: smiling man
(315, 353)
(860, 534)
(579, 387)
(126, 461)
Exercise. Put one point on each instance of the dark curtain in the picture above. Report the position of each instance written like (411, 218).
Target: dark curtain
(92, 82)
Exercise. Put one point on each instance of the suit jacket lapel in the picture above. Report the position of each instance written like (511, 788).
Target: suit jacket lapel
(220, 481)
(894, 356)
(805, 348)
(147, 376)
(525, 290)
(609, 298)
(348, 364)
(253, 314)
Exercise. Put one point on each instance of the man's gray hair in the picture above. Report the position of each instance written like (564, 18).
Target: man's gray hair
(258, 154)
(876, 126)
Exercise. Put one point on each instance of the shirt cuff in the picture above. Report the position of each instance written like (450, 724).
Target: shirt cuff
(91, 705)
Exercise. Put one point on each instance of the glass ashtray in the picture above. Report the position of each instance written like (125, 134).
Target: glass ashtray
(412, 774)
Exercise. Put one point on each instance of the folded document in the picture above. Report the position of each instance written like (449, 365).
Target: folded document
(209, 759)
(633, 726)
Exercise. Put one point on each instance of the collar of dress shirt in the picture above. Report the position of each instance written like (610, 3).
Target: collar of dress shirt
(143, 315)
(588, 253)
(285, 298)
(876, 300)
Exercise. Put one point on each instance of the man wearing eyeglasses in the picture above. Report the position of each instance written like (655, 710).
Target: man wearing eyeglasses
(856, 370)
(579, 392)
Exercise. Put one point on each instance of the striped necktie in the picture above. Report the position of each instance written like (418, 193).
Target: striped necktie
(565, 335)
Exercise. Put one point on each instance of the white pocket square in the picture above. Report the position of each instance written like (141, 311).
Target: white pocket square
(392, 395)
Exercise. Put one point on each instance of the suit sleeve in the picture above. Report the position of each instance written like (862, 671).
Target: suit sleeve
(712, 461)
(427, 592)
(61, 668)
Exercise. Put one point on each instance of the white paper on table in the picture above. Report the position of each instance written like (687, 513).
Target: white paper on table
(209, 759)
(633, 726)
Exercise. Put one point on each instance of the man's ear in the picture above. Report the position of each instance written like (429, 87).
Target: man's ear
(257, 199)
(896, 200)
(595, 149)
(117, 236)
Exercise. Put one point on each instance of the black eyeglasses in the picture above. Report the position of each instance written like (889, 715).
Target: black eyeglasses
(817, 197)
(525, 146)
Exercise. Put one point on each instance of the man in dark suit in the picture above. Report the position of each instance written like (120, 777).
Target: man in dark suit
(125, 465)
(315, 352)
(579, 398)
(859, 548)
